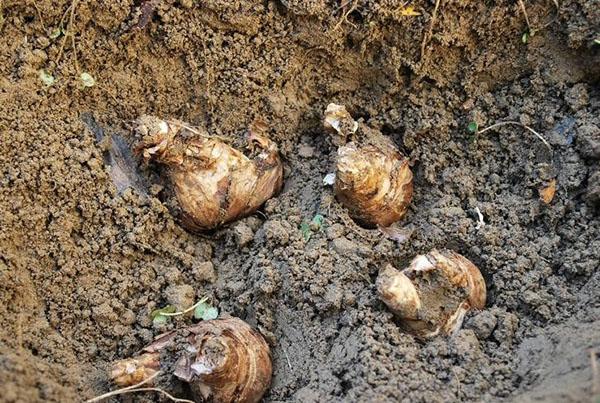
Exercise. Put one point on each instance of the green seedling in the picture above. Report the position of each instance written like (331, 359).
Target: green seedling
(46, 78)
(55, 33)
(473, 127)
(314, 225)
(161, 316)
(205, 311)
(201, 309)
(87, 80)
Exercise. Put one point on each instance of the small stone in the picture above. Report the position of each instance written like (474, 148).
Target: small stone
(242, 234)
(204, 271)
(128, 317)
(483, 324)
(588, 141)
(344, 246)
(335, 231)
(305, 151)
(172, 275)
(593, 189)
(180, 296)
(577, 97)
(275, 231)
(186, 3)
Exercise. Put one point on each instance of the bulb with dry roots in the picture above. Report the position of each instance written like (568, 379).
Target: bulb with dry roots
(433, 294)
(372, 178)
(223, 360)
(213, 182)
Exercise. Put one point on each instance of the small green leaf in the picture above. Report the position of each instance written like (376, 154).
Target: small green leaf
(210, 313)
(472, 127)
(306, 232)
(55, 33)
(159, 312)
(47, 78)
(87, 80)
(525, 37)
(317, 222)
(200, 309)
(597, 42)
(160, 320)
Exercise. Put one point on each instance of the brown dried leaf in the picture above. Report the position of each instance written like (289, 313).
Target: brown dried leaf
(547, 192)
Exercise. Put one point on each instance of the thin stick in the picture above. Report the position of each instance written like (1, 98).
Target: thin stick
(522, 5)
(159, 390)
(428, 35)
(595, 376)
(510, 122)
(191, 308)
(69, 30)
(39, 14)
(122, 390)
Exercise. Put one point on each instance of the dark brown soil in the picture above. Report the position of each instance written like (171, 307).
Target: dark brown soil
(83, 263)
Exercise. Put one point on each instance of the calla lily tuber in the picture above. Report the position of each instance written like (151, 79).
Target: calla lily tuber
(213, 182)
(222, 360)
(372, 179)
(433, 294)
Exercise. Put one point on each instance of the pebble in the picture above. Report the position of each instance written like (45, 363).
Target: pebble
(344, 246)
(180, 296)
(483, 324)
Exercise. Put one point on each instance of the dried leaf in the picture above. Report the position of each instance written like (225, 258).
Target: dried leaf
(409, 11)
(547, 192)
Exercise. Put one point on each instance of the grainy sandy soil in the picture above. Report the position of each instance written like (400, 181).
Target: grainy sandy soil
(83, 264)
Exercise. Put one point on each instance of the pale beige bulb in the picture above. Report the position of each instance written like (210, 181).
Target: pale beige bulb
(222, 360)
(213, 182)
(373, 179)
(432, 295)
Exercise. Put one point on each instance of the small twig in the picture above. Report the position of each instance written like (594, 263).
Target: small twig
(510, 122)
(136, 388)
(191, 308)
(480, 223)
(287, 358)
(346, 14)
(159, 390)
(522, 5)
(428, 35)
(39, 14)
(595, 373)
(69, 28)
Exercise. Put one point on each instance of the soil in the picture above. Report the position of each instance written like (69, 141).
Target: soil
(84, 259)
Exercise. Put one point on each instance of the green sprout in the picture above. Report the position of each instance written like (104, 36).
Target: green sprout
(205, 311)
(87, 80)
(314, 225)
(202, 310)
(596, 41)
(55, 33)
(46, 78)
(473, 127)
(306, 232)
(161, 316)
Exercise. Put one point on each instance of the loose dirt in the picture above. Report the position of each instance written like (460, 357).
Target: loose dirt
(84, 259)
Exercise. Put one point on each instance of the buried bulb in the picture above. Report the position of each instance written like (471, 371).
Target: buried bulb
(213, 182)
(372, 178)
(222, 360)
(432, 295)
